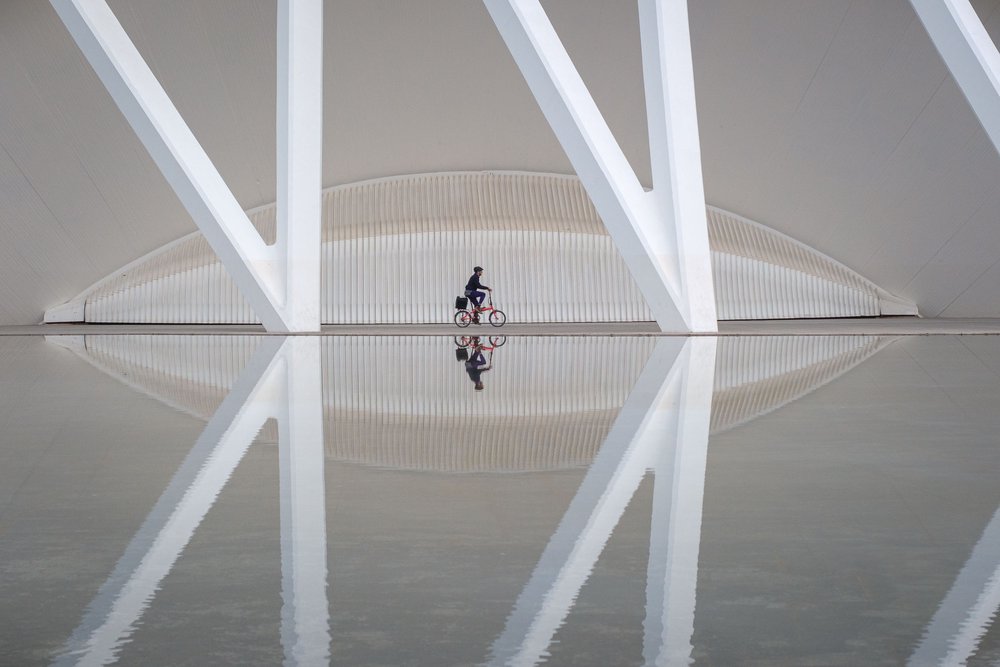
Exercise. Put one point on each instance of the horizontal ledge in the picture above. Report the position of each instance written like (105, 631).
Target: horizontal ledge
(896, 326)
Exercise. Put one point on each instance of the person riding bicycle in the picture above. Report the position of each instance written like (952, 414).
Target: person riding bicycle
(472, 290)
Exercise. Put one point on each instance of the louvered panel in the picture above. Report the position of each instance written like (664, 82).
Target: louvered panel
(537, 277)
(398, 251)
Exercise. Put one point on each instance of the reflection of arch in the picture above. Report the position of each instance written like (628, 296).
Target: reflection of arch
(538, 233)
(782, 370)
(404, 403)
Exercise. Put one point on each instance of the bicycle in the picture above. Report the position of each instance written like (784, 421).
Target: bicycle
(492, 343)
(465, 317)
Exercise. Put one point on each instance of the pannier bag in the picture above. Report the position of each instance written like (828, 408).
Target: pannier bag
(461, 354)
(461, 303)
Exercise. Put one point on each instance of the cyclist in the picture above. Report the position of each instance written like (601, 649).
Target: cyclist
(472, 290)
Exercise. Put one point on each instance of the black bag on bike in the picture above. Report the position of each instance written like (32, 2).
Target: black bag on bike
(461, 303)
(461, 354)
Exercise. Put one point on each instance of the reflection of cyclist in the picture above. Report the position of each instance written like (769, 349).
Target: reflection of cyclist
(472, 290)
(477, 364)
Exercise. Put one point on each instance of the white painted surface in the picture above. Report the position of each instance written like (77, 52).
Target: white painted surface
(300, 159)
(399, 250)
(834, 122)
(970, 54)
(660, 235)
(678, 193)
(256, 267)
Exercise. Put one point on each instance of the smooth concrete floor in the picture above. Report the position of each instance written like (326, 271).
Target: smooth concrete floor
(896, 326)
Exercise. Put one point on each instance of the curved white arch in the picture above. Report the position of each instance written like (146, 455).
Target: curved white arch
(397, 250)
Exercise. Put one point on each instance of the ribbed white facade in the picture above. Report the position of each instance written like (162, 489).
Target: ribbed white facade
(407, 402)
(399, 250)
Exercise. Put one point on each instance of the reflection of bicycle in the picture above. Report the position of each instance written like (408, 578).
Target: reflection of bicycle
(492, 342)
(469, 313)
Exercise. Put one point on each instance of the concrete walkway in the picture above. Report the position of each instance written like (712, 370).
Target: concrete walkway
(896, 326)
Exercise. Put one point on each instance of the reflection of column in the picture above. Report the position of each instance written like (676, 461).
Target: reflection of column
(305, 633)
(675, 532)
(276, 382)
(651, 423)
(960, 622)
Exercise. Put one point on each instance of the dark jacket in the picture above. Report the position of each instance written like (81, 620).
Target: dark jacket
(474, 284)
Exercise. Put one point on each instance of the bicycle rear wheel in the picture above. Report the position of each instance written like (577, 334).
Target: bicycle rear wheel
(498, 318)
(463, 318)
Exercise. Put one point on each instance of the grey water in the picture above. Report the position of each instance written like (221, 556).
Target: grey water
(213, 500)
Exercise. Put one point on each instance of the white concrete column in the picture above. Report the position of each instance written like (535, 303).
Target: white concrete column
(675, 156)
(644, 230)
(300, 157)
(970, 55)
(281, 282)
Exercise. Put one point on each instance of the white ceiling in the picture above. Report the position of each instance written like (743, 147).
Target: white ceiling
(833, 121)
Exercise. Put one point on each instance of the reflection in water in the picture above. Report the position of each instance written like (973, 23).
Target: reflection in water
(394, 402)
(280, 380)
(662, 427)
(477, 353)
(968, 610)
(622, 408)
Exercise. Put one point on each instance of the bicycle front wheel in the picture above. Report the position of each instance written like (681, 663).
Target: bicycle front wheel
(497, 318)
(497, 341)
(463, 318)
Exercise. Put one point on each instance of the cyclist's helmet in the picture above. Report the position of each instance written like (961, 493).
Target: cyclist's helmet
(477, 269)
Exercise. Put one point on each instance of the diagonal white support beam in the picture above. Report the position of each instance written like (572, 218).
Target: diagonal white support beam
(266, 275)
(646, 227)
(675, 529)
(305, 614)
(647, 424)
(970, 55)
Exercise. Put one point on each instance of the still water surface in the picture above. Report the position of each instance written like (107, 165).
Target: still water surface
(197, 500)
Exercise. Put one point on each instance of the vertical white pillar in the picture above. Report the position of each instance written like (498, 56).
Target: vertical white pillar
(253, 265)
(281, 282)
(305, 616)
(970, 55)
(300, 157)
(644, 226)
(675, 155)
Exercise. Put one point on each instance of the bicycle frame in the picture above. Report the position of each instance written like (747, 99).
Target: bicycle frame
(481, 309)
